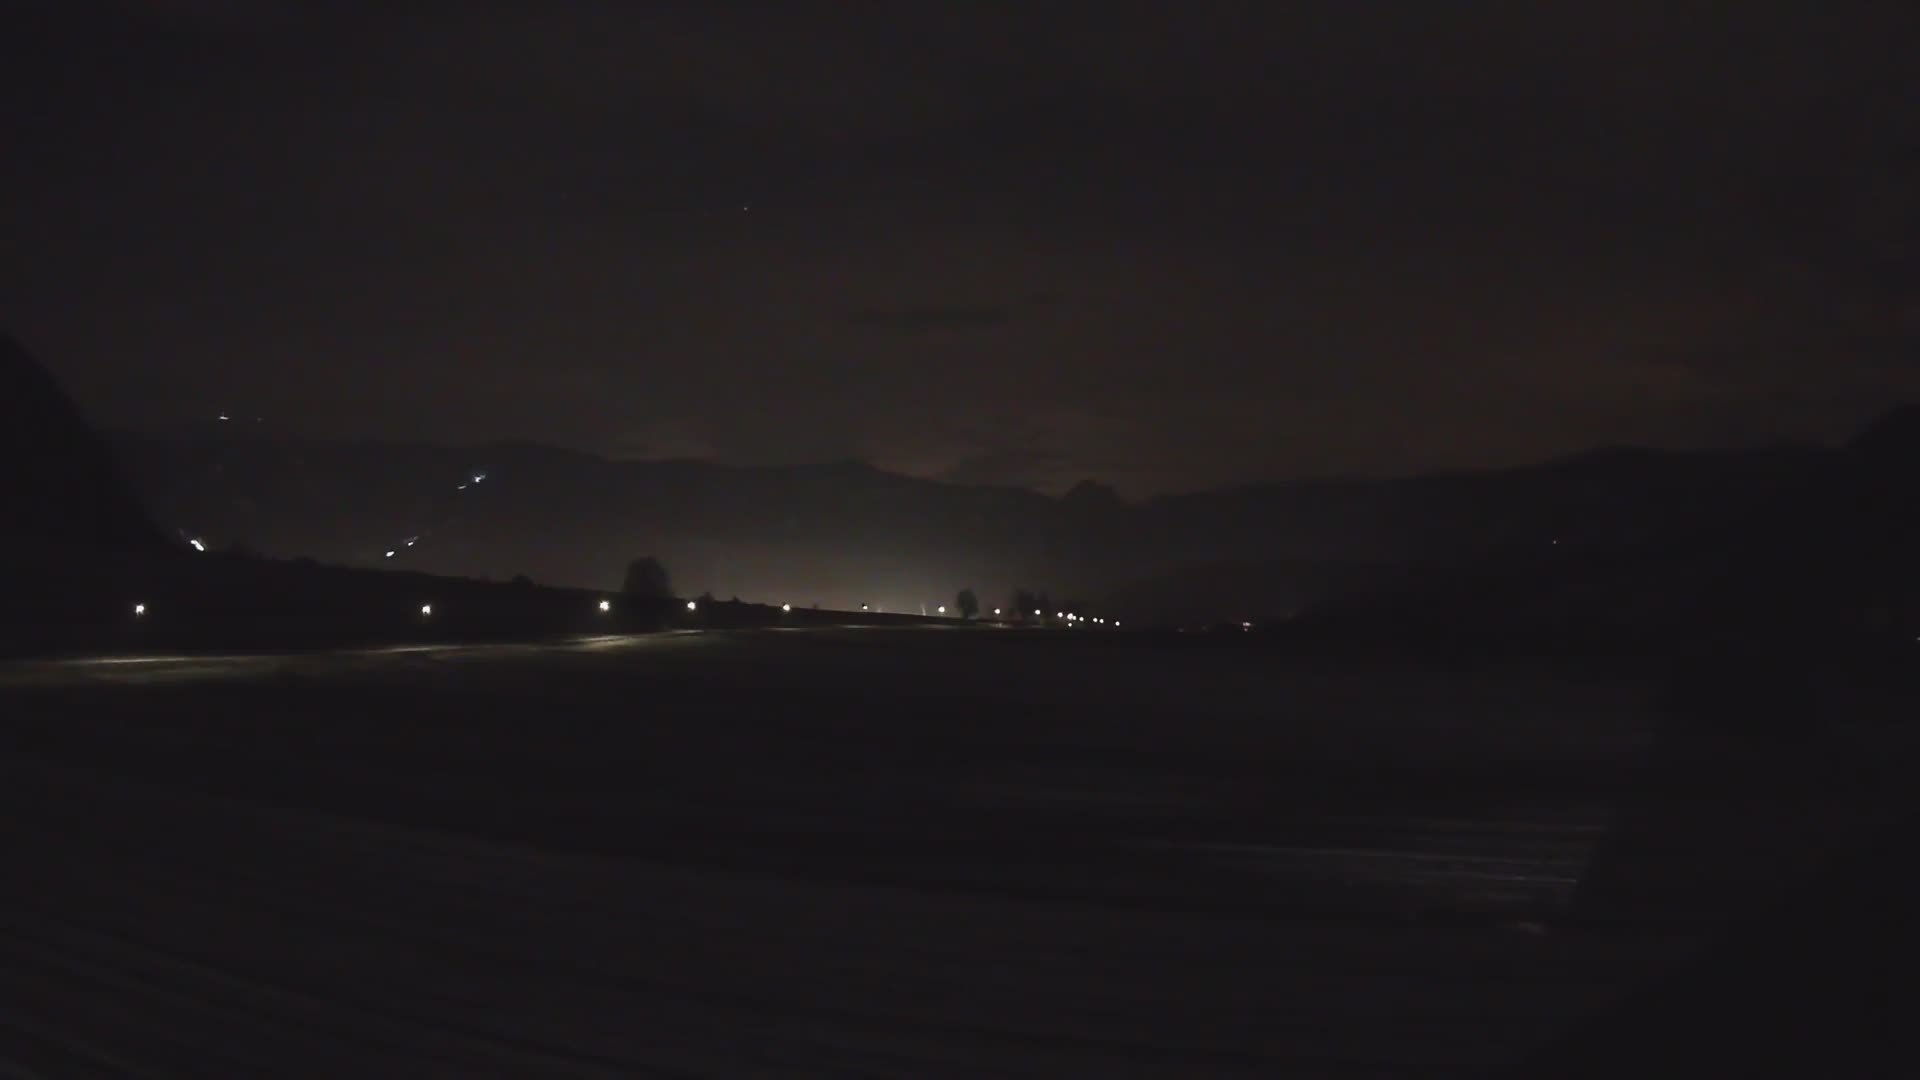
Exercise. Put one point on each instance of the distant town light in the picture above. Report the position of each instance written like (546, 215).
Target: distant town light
(606, 605)
(996, 612)
(197, 545)
(479, 476)
(786, 607)
(1246, 626)
(426, 610)
(692, 606)
(863, 607)
(1036, 613)
(1059, 614)
(462, 487)
(942, 609)
(139, 610)
(223, 416)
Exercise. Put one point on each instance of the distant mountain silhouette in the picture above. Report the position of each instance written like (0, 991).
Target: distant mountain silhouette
(1893, 437)
(845, 533)
(1819, 556)
(61, 492)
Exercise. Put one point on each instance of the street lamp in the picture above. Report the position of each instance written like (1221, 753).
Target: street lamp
(692, 606)
(139, 610)
(941, 610)
(606, 605)
(786, 607)
(426, 611)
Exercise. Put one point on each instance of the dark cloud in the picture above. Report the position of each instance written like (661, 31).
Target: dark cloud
(1293, 238)
(923, 319)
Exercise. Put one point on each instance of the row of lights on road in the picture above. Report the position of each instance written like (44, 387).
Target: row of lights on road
(426, 610)
(1070, 618)
(605, 606)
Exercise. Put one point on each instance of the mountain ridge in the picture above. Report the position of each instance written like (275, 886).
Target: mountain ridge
(844, 533)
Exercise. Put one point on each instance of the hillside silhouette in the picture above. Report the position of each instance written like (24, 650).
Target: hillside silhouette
(62, 495)
(85, 567)
(846, 533)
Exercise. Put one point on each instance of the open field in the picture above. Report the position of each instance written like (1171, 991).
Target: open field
(847, 852)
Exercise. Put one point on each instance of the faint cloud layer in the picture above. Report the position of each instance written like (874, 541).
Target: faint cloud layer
(920, 320)
(1039, 469)
(670, 440)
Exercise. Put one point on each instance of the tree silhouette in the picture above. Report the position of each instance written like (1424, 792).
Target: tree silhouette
(968, 604)
(647, 578)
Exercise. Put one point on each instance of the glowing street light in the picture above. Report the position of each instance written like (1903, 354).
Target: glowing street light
(864, 607)
(139, 610)
(941, 610)
(786, 607)
(196, 544)
(389, 553)
(1036, 613)
(693, 605)
(426, 611)
(606, 605)
(996, 613)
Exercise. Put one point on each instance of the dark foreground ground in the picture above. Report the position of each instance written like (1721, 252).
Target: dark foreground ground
(853, 852)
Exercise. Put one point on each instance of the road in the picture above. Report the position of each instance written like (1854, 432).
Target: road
(811, 853)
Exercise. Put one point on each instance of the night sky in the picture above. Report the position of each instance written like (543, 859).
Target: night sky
(1168, 246)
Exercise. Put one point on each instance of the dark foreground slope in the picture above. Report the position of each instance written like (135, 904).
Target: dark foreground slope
(917, 853)
(1817, 984)
(61, 491)
(925, 853)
